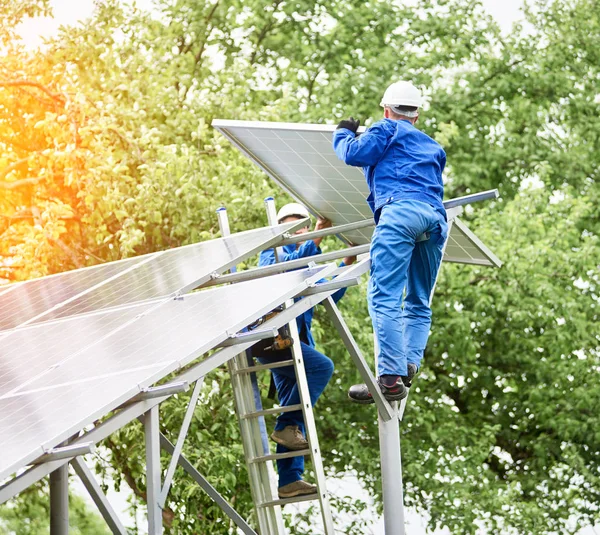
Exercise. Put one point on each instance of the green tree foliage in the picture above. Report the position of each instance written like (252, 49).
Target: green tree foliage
(29, 514)
(501, 429)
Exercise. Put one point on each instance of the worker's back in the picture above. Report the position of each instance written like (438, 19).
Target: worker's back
(399, 161)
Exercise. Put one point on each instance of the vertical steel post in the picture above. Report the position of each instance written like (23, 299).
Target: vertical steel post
(59, 501)
(272, 219)
(152, 434)
(391, 467)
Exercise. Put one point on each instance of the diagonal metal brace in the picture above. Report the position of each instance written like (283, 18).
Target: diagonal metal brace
(100, 499)
(187, 419)
(385, 409)
(167, 445)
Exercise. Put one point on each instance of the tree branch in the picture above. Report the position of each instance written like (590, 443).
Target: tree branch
(30, 83)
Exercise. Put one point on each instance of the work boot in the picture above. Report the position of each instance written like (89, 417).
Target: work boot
(291, 437)
(412, 371)
(395, 392)
(297, 488)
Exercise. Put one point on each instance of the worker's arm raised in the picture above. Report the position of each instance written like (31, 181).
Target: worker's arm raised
(308, 248)
(363, 150)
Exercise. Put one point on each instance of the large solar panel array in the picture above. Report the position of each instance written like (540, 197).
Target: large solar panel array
(59, 376)
(127, 281)
(300, 158)
(73, 346)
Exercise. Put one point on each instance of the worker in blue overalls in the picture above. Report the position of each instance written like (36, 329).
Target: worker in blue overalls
(403, 167)
(289, 433)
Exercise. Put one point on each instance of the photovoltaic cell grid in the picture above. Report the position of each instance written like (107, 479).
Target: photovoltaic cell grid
(300, 158)
(29, 299)
(464, 247)
(88, 371)
(133, 280)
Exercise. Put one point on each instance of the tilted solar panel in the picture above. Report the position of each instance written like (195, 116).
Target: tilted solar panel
(34, 297)
(132, 280)
(300, 159)
(91, 375)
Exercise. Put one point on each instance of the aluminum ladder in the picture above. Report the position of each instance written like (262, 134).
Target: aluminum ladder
(251, 417)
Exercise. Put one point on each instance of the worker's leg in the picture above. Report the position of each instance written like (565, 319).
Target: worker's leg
(400, 224)
(422, 273)
(319, 370)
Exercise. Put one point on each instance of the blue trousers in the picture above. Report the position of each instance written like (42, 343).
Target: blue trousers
(399, 263)
(319, 370)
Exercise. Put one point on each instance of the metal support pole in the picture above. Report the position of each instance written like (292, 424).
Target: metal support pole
(391, 475)
(391, 468)
(59, 501)
(152, 434)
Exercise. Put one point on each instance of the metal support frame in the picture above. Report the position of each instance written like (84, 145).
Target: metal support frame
(65, 452)
(59, 501)
(253, 336)
(153, 471)
(255, 273)
(340, 229)
(384, 408)
(189, 468)
(148, 406)
(187, 420)
(101, 501)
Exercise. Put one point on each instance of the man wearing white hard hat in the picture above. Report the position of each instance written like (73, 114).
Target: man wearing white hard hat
(289, 433)
(403, 168)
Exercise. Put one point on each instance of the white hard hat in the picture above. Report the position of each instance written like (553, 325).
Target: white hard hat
(291, 209)
(402, 94)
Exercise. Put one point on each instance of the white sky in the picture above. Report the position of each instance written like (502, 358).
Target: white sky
(69, 12)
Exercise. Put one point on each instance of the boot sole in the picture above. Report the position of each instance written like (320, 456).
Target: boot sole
(289, 446)
(361, 402)
(285, 495)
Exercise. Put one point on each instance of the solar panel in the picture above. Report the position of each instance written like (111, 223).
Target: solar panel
(132, 280)
(85, 375)
(464, 247)
(300, 158)
(29, 299)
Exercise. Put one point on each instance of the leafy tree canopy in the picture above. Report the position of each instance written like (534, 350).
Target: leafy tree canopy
(107, 152)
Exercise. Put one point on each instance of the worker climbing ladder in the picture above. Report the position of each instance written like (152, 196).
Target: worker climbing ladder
(259, 458)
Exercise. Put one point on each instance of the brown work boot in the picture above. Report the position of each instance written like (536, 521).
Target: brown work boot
(291, 437)
(297, 488)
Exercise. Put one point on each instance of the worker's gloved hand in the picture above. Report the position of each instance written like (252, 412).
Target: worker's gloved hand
(350, 124)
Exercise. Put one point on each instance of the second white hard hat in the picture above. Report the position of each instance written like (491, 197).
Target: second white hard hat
(292, 209)
(401, 94)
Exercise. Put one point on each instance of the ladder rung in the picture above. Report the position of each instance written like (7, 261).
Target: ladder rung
(275, 456)
(269, 366)
(274, 410)
(295, 499)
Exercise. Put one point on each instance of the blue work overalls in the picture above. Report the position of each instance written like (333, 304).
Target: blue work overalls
(319, 368)
(403, 168)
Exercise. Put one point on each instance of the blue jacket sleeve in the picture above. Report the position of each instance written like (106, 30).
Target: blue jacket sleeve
(308, 248)
(364, 150)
